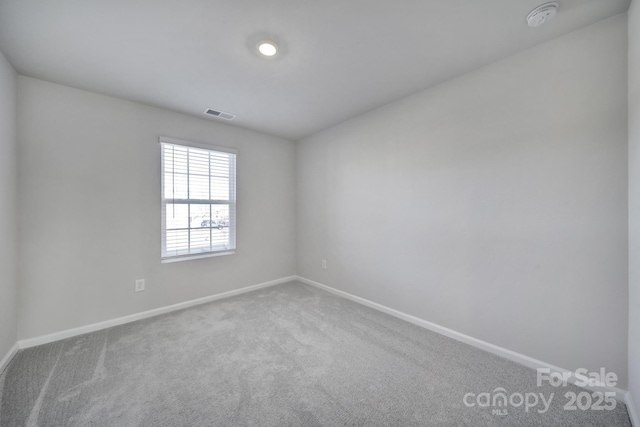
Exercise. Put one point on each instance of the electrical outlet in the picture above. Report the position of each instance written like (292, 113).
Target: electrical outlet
(139, 285)
(324, 264)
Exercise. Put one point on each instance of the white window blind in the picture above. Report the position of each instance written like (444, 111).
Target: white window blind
(198, 200)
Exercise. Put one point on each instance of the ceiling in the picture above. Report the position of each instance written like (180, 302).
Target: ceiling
(338, 58)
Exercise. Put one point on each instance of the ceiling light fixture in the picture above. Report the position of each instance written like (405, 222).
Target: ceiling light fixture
(542, 14)
(267, 48)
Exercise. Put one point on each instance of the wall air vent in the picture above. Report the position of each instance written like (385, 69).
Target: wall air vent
(219, 114)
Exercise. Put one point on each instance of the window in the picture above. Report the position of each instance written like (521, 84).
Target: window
(198, 200)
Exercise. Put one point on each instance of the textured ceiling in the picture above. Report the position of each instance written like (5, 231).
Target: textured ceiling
(339, 58)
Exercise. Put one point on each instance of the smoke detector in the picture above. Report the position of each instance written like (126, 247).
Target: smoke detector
(542, 14)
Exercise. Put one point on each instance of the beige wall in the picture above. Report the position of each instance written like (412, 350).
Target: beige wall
(634, 202)
(8, 209)
(494, 204)
(89, 170)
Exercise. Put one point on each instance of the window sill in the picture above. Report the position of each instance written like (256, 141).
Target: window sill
(198, 256)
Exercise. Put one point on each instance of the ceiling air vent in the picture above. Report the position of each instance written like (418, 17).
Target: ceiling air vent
(219, 114)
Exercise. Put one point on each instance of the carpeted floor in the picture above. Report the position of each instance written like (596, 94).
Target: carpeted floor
(289, 355)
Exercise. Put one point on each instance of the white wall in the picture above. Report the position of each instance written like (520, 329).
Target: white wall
(89, 182)
(634, 202)
(494, 204)
(8, 210)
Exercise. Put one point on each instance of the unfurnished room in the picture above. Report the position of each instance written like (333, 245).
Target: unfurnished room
(319, 213)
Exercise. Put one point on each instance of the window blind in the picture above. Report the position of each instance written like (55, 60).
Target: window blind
(198, 200)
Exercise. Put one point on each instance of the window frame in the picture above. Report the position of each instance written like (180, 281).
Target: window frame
(231, 202)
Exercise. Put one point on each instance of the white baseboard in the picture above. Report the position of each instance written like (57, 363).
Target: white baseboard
(7, 357)
(44, 339)
(631, 408)
(521, 359)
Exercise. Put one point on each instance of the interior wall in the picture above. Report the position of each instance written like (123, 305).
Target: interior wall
(494, 204)
(89, 183)
(634, 203)
(8, 210)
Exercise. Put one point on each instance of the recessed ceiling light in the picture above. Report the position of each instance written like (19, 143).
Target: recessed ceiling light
(267, 48)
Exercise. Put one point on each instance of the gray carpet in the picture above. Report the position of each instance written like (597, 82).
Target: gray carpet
(289, 355)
